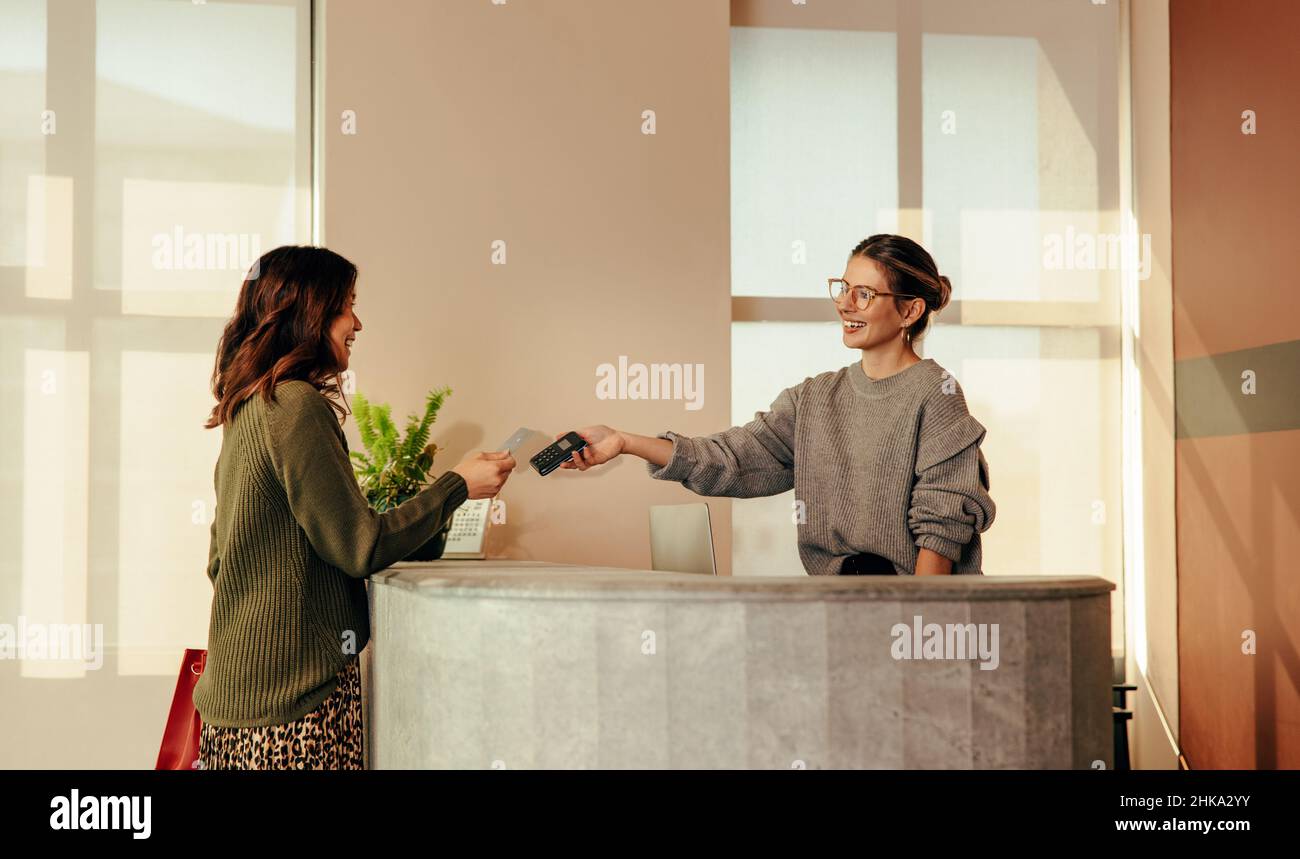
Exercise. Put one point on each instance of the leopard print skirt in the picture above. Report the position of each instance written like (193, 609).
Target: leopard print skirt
(331, 737)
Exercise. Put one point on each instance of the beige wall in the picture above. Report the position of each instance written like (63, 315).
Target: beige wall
(1235, 310)
(522, 122)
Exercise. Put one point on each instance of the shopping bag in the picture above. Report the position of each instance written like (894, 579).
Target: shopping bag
(180, 742)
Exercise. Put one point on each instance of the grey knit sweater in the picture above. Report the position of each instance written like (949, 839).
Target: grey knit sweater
(885, 466)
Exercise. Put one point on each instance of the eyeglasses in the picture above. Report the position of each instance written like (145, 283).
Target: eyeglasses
(862, 295)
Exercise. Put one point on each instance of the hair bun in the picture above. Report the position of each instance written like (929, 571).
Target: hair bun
(945, 292)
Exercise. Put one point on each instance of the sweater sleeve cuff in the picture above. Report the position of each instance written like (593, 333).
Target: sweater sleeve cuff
(680, 465)
(457, 489)
(943, 546)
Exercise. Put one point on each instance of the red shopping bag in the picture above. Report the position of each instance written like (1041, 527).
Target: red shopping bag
(180, 742)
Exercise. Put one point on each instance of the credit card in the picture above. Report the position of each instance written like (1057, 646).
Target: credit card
(520, 435)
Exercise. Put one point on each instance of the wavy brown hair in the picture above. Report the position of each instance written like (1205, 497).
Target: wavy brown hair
(280, 331)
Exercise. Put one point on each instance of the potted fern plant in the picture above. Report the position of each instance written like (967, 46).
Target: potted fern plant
(394, 467)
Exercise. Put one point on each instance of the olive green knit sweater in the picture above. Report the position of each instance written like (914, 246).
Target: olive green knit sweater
(292, 543)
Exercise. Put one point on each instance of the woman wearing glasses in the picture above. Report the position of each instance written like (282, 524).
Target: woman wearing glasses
(883, 453)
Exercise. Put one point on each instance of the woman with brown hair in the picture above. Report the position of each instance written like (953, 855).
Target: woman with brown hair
(294, 538)
(883, 455)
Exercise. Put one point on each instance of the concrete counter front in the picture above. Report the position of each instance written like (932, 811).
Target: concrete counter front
(525, 665)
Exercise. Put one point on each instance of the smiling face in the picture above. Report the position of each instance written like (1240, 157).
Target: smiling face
(881, 322)
(344, 328)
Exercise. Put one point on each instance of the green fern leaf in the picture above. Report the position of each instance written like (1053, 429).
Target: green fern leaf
(361, 410)
(386, 443)
(395, 467)
(418, 439)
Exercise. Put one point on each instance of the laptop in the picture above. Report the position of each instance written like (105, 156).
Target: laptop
(681, 539)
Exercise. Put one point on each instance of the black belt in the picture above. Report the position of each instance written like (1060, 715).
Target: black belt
(867, 564)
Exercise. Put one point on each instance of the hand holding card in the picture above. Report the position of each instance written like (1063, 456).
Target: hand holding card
(485, 472)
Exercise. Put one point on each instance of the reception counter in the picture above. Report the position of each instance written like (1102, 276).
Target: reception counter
(527, 665)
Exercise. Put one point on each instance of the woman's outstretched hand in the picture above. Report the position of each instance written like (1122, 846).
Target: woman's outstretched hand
(603, 444)
(485, 472)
